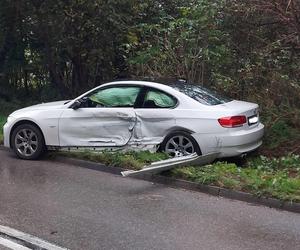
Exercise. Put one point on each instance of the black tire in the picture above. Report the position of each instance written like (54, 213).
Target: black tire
(28, 142)
(177, 134)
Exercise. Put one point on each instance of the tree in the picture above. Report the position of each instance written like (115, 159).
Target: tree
(66, 46)
(184, 42)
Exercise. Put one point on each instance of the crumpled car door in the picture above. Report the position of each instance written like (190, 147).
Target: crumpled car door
(96, 127)
(153, 124)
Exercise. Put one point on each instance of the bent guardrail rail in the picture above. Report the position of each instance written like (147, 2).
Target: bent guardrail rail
(159, 166)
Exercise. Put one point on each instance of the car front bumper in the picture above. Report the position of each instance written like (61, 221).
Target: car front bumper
(6, 129)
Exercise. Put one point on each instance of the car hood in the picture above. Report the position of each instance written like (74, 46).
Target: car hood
(42, 106)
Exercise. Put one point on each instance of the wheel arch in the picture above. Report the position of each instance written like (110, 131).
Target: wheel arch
(21, 122)
(178, 129)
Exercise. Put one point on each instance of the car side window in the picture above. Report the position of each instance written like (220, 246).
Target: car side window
(157, 99)
(121, 96)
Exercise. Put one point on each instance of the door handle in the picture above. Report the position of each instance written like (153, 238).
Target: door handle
(123, 115)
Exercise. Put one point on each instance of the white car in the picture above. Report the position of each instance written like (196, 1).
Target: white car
(179, 119)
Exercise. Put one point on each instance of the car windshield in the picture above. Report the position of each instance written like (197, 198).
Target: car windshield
(201, 94)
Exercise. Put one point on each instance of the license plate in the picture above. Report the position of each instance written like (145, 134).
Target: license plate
(253, 120)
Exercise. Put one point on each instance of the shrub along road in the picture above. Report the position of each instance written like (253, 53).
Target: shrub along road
(80, 208)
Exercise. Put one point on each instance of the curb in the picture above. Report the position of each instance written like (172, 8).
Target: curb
(177, 183)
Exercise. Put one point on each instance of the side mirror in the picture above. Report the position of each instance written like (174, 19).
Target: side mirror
(76, 105)
(79, 103)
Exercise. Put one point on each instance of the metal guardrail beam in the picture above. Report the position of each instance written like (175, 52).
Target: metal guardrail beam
(159, 166)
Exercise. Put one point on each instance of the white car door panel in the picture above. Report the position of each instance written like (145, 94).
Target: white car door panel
(96, 127)
(156, 116)
(153, 123)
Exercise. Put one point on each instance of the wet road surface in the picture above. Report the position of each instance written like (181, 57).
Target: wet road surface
(80, 208)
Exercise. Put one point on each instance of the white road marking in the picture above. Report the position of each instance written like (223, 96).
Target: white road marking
(12, 245)
(29, 238)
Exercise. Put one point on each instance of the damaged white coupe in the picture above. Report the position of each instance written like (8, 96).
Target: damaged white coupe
(180, 119)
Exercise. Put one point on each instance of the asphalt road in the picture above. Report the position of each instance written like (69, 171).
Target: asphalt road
(80, 208)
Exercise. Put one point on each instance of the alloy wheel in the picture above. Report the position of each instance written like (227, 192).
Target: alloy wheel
(26, 142)
(179, 145)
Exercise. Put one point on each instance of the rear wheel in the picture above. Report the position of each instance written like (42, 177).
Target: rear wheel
(28, 142)
(179, 144)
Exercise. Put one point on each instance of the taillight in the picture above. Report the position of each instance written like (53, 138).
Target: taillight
(232, 121)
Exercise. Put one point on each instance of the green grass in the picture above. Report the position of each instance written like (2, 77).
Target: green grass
(129, 160)
(277, 178)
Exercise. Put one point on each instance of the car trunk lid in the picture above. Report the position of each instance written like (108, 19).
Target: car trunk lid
(241, 108)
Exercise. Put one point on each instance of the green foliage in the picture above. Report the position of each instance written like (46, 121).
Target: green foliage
(69, 45)
(57, 49)
(182, 43)
(282, 133)
(279, 131)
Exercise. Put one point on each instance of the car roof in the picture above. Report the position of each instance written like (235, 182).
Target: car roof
(142, 83)
(184, 100)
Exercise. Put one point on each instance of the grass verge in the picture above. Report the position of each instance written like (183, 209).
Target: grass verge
(264, 177)
(261, 176)
(128, 160)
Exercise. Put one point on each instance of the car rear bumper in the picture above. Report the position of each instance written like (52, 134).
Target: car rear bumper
(231, 151)
(231, 143)
(240, 142)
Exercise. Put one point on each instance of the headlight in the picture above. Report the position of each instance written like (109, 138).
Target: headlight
(10, 119)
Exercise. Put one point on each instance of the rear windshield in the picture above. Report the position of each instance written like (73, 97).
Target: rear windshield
(201, 94)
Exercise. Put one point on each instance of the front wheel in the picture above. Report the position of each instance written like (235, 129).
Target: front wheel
(179, 144)
(28, 142)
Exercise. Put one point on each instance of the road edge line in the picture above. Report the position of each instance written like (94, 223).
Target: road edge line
(8, 243)
(27, 238)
